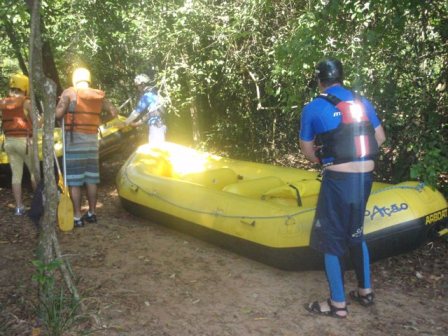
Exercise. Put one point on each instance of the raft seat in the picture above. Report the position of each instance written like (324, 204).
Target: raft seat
(216, 178)
(304, 192)
(254, 188)
(159, 166)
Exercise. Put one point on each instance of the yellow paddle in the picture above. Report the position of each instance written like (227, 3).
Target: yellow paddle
(65, 206)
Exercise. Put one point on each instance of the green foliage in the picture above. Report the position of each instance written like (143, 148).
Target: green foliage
(242, 70)
(58, 310)
(44, 273)
(59, 313)
(13, 16)
(395, 54)
(433, 162)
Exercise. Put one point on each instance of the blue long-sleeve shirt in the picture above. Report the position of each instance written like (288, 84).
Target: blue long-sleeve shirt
(148, 101)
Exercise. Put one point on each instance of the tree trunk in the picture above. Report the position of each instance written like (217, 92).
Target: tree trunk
(9, 29)
(195, 124)
(48, 242)
(48, 65)
(35, 78)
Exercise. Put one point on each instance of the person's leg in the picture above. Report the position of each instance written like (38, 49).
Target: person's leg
(328, 237)
(90, 216)
(28, 159)
(360, 258)
(359, 254)
(335, 278)
(13, 149)
(358, 249)
(149, 134)
(156, 135)
(33, 184)
(17, 193)
(92, 178)
(75, 194)
(81, 153)
(92, 197)
(336, 305)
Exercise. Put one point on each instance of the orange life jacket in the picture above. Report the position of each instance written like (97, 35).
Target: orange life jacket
(84, 112)
(15, 123)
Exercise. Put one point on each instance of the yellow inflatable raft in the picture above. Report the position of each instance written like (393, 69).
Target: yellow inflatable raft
(112, 137)
(57, 146)
(262, 211)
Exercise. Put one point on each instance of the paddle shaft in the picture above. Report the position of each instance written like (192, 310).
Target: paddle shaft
(123, 105)
(64, 164)
(57, 163)
(65, 206)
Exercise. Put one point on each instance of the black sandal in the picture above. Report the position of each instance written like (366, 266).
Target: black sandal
(364, 300)
(315, 308)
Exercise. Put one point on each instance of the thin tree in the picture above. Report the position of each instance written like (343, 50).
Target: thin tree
(49, 248)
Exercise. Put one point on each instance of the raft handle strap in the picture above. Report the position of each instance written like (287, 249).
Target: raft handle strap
(299, 199)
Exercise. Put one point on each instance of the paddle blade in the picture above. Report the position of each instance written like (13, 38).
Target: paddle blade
(65, 212)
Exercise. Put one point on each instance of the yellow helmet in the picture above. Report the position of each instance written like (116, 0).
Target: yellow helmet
(19, 81)
(81, 75)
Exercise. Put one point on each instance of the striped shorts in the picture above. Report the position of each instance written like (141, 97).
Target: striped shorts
(82, 159)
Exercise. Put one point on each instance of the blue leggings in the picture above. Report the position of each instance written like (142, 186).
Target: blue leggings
(334, 270)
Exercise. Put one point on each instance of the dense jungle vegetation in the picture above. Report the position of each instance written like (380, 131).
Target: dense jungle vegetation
(237, 73)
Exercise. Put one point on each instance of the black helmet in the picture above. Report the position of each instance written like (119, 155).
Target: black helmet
(330, 69)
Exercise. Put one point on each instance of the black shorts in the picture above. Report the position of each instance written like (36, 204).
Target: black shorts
(339, 219)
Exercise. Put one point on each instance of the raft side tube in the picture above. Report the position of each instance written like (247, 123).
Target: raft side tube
(382, 244)
(397, 239)
(289, 259)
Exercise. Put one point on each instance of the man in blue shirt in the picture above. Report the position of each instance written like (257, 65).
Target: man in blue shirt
(341, 131)
(149, 110)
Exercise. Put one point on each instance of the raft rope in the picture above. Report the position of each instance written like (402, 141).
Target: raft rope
(215, 213)
(419, 187)
(218, 213)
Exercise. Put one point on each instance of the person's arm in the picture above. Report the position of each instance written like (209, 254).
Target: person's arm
(308, 149)
(380, 135)
(307, 135)
(130, 119)
(142, 105)
(62, 106)
(109, 107)
(27, 109)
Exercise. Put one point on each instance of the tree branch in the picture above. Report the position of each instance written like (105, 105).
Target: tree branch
(259, 105)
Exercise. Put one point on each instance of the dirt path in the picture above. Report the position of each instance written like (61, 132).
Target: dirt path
(140, 278)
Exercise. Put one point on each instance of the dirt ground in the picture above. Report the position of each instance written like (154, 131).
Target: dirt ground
(139, 278)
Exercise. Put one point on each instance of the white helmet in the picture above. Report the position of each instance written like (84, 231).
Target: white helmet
(141, 79)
